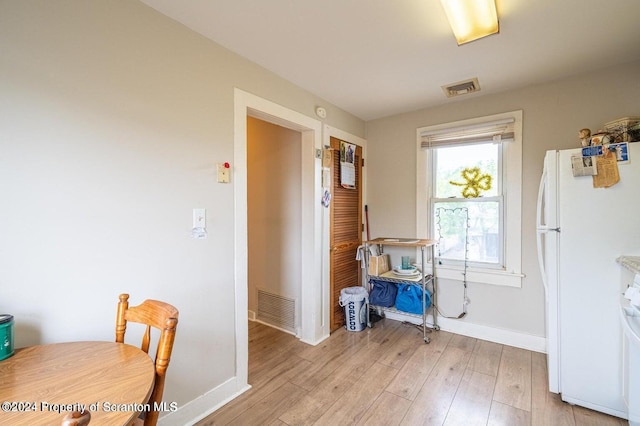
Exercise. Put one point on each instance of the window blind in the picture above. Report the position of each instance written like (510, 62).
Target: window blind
(495, 131)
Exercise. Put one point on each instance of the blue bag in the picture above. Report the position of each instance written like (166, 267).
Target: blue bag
(383, 293)
(409, 299)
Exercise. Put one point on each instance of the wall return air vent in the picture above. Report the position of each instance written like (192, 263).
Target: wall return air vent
(461, 88)
(276, 310)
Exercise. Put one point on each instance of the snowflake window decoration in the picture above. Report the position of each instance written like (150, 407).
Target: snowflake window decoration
(474, 182)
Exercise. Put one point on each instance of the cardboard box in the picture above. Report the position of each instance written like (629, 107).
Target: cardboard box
(378, 265)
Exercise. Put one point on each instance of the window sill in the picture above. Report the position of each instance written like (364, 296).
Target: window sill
(497, 277)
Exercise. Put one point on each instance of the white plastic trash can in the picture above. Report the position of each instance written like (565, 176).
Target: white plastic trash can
(355, 301)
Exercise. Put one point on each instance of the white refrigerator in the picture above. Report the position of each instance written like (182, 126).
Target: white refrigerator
(581, 230)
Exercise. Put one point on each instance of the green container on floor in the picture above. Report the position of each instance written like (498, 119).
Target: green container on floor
(6, 336)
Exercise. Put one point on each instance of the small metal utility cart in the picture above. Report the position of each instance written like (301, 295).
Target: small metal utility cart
(427, 281)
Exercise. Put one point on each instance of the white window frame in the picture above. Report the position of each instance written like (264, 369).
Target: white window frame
(511, 274)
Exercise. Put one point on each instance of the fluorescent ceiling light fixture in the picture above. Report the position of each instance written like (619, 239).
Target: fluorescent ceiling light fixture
(471, 19)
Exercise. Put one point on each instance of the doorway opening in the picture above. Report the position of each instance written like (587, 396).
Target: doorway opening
(274, 222)
(313, 298)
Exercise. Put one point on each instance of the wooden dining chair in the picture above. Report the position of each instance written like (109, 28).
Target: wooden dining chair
(163, 317)
(77, 418)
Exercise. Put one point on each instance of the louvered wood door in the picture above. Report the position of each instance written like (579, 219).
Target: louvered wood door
(346, 233)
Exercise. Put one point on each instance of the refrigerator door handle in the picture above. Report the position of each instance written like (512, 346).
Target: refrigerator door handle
(541, 188)
(540, 229)
(543, 229)
(626, 326)
(543, 272)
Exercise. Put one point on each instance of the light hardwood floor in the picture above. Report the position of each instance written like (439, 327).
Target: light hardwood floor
(387, 375)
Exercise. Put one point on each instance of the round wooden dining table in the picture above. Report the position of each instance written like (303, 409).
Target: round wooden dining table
(40, 384)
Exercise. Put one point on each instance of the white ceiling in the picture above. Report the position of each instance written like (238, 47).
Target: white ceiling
(375, 58)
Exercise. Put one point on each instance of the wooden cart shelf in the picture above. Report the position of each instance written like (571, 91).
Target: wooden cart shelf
(391, 277)
(424, 279)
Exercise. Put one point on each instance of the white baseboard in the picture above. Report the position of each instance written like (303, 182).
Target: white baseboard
(199, 408)
(315, 342)
(492, 334)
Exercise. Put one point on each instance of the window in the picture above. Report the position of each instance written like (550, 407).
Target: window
(469, 186)
(468, 229)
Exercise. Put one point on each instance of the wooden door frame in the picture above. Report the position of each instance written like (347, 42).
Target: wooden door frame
(328, 133)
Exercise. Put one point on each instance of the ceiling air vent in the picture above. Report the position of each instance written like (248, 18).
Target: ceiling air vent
(461, 88)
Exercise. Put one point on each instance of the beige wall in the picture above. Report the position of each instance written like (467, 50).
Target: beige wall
(112, 118)
(552, 115)
(274, 210)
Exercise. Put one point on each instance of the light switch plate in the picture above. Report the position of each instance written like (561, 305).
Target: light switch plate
(199, 218)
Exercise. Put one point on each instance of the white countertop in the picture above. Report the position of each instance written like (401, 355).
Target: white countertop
(632, 263)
